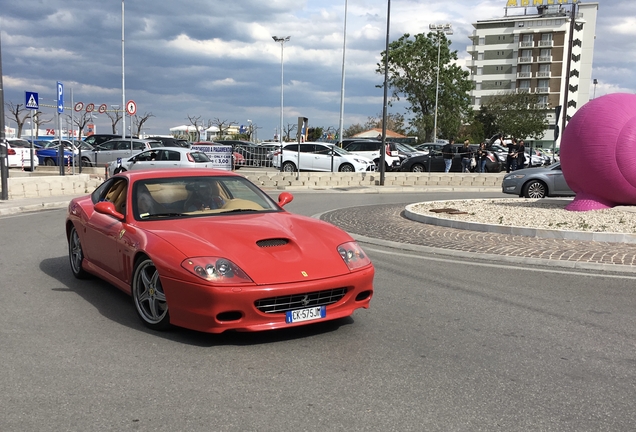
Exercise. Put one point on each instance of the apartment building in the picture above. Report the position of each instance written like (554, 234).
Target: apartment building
(528, 51)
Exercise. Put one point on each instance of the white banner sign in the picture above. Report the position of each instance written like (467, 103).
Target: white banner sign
(220, 155)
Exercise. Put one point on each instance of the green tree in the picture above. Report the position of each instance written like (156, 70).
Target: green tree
(413, 74)
(518, 114)
(487, 120)
(352, 130)
(394, 122)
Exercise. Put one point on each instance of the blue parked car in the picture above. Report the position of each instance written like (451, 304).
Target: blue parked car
(47, 154)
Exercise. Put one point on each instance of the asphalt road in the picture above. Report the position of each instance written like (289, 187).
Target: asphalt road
(447, 345)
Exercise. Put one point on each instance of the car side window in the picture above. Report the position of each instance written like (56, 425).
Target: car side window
(172, 155)
(293, 147)
(138, 145)
(109, 145)
(307, 148)
(323, 150)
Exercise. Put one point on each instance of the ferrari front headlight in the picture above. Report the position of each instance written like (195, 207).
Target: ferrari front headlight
(216, 270)
(353, 255)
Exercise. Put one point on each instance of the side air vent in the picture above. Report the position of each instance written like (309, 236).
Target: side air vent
(272, 242)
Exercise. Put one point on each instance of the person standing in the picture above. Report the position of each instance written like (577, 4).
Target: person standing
(521, 155)
(511, 159)
(447, 154)
(482, 158)
(466, 156)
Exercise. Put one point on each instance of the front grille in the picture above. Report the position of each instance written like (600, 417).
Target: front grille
(283, 304)
(272, 242)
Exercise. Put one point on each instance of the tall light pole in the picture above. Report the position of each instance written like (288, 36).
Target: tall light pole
(123, 78)
(342, 88)
(447, 29)
(282, 41)
(595, 83)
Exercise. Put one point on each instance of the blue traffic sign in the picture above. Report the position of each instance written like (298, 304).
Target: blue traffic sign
(31, 100)
(60, 97)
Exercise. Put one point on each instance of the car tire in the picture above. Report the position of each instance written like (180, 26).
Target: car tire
(86, 162)
(289, 167)
(49, 162)
(76, 255)
(535, 189)
(346, 167)
(418, 168)
(119, 169)
(148, 296)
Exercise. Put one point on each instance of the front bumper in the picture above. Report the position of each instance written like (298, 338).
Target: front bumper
(215, 309)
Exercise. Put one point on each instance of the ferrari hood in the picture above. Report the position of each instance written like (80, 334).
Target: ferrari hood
(270, 247)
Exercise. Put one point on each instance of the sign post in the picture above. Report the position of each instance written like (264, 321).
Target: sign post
(131, 109)
(60, 110)
(31, 101)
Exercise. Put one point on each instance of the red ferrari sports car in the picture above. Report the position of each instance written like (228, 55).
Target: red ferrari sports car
(208, 250)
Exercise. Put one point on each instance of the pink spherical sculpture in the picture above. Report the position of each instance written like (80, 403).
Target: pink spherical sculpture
(598, 153)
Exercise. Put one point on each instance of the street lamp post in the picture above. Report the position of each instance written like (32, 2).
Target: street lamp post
(595, 83)
(123, 77)
(282, 41)
(447, 29)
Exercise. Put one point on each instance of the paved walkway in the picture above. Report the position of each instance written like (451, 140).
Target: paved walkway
(385, 225)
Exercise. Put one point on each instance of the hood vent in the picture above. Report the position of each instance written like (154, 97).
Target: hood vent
(272, 242)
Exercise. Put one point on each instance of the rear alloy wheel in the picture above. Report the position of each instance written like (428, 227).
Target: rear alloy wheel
(49, 162)
(535, 189)
(418, 168)
(148, 296)
(86, 162)
(289, 167)
(346, 168)
(76, 255)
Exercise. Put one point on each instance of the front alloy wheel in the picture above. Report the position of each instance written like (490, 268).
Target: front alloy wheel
(535, 189)
(76, 255)
(148, 296)
(346, 168)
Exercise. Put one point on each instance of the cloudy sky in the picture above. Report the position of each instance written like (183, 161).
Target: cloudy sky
(217, 60)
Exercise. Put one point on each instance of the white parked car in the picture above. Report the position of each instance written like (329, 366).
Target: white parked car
(318, 156)
(165, 157)
(19, 154)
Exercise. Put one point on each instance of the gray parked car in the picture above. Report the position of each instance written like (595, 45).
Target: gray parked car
(109, 151)
(169, 157)
(537, 182)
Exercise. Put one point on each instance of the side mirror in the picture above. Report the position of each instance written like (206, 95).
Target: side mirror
(285, 198)
(108, 208)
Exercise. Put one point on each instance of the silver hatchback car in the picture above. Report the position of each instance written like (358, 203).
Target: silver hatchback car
(537, 182)
(104, 153)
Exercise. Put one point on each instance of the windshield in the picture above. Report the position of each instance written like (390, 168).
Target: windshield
(339, 151)
(185, 197)
(405, 148)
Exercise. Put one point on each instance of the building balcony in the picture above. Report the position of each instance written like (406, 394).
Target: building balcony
(543, 74)
(524, 74)
(471, 48)
(544, 43)
(524, 60)
(522, 90)
(544, 59)
(524, 44)
(542, 90)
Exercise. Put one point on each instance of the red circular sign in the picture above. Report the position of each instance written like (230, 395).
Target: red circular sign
(79, 106)
(90, 107)
(102, 108)
(131, 107)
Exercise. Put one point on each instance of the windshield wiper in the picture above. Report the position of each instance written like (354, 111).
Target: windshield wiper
(171, 214)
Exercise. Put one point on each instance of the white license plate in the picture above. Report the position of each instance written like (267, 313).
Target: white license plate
(299, 315)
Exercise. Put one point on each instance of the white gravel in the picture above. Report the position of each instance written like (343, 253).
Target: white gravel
(547, 213)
